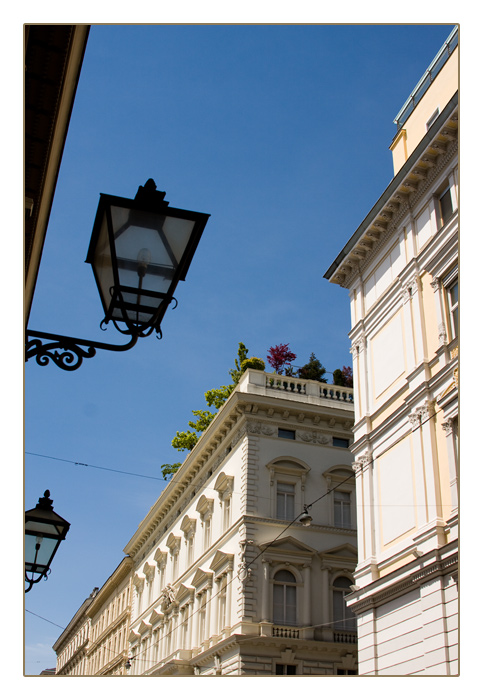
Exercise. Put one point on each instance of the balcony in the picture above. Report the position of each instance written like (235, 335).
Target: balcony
(305, 390)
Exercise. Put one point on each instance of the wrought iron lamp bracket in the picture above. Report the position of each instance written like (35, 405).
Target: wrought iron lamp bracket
(33, 580)
(67, 353)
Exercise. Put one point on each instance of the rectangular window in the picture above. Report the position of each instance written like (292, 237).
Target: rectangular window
(445, 206)
(285, 670)
(286, 434)
(285, 501)
(453, 307)
(190, 543)
(340, 442)
(450, 285)
(207, 533)
(226, 513)
(342, 509)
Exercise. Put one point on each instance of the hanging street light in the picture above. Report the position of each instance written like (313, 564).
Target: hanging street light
(139, 250)
(44, 531)
(305, 519)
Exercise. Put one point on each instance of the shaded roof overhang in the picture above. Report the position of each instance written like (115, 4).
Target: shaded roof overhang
(406, 181)
(53, 57)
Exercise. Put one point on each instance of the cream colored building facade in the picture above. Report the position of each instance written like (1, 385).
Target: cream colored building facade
(401, 270)
(226, 579)
(110, 616)
(71, 646)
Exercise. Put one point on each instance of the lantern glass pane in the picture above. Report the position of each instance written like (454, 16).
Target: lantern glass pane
(102, 264)
(46, 549)
(149, 247)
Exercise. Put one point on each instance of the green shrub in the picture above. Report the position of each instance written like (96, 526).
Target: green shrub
(252, 363)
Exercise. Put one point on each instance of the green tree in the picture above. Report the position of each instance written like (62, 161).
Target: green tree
(187, 439)
(313, 370)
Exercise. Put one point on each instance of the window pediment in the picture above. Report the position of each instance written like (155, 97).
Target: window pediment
(289, 550)
(144, 627)
(288, 466)
(345, 554)
(173, 543)
(205, 506)
(160, 558)
(188, 525)
(222, 561)
(138, 581)
(202, 579)
(148, 571)
(184, 592)
(224, 484)
(133, 637)
(155, 617)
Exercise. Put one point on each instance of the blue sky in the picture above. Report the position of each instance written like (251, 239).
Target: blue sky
(281, 133)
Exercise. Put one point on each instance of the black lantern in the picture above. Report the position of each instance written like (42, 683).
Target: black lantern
(139, 250)
(44, 531)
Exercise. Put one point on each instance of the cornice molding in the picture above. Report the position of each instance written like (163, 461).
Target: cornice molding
(406, 197)
(414, 579)
(234, 422)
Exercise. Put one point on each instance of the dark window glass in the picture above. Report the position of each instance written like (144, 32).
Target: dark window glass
(446, 206)
(287, 434)
(340, 442)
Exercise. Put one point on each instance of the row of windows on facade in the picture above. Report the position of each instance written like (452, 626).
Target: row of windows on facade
(190, 630)
(286, 504)
(109, 649)
(285, 510)
(77, 641)
(446, 207)
(291, 435)
(114, 609)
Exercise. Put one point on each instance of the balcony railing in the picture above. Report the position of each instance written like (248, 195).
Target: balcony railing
(286, 632)
(345, 637)
(303, 387)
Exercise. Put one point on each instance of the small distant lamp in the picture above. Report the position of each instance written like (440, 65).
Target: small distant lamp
(44, 531)
(305, 518)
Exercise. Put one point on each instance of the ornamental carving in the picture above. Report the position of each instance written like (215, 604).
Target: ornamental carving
(315, 436)
(442, 335)
(168, 596)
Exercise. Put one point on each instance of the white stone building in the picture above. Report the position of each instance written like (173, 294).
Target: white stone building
(226, 579)
(401, 270)
(110, 616)
(71, 647)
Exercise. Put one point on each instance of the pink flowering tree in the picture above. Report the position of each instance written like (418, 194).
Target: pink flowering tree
(280, 357)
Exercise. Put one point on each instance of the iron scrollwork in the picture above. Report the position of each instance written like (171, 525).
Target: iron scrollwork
(66, 353)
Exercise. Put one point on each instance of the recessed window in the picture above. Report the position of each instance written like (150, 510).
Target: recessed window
(286, 434)
(284, 598)
(445, 206)
(285, 670)
(340, 442)
(342, 509)
(450, 286)
(285, 501)
(344, 618)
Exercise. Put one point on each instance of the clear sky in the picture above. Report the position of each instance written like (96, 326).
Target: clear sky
(282, 134)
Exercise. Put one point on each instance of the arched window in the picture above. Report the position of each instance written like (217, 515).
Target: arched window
(343, 617)
(284, 598)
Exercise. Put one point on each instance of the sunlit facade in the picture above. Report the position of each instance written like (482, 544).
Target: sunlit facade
(226, 580)
(110, 615)
(401, 270)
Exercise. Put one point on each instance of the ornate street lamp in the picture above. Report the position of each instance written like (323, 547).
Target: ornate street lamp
(139, 250)
(44, 531)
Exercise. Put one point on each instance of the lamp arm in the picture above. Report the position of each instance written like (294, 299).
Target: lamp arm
(74, 349)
